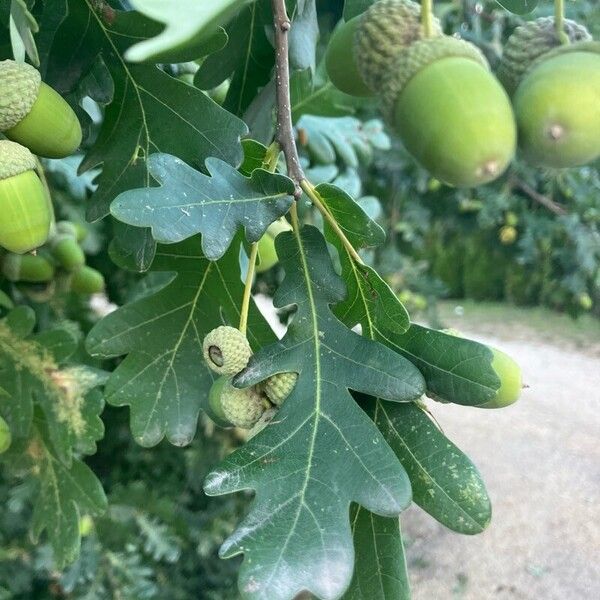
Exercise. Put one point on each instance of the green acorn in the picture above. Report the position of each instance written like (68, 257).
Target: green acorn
(86, 280)
(25, 212)
(451, 113)
(34, 114)
(214, 397)
(511, 382)
(66, 228)
(267, 253)
(67, 252)
(5, 436)
(27, 267)
(279, 387)
(226, 350)
(241, 407)
(529, 42)
(557, 105)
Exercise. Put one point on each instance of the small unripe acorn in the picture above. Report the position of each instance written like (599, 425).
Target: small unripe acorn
(5, 436)
(67, 252)
(557, 105)
(529, 42)
(87, 281)
(241, 407)
(451, 113)
(66, 228)
(27, 267)
(385, 28)
(511, 383)
(341, 63)
(226, 350)
(279, 387)
(25, 211)
(508, 235)
(267, 253)
(34, 114)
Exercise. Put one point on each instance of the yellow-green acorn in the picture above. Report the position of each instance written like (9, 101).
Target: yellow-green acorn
(5, 436)
(529, 42)
(267, 253)
(279, 387)
(226, 350)
(27, 267)
(86, 280)
(67, 252)
(214, 396)
(34, 114)
(241, 407)
(451, 113)
(557, 105)
(510, 377)
(25, 212)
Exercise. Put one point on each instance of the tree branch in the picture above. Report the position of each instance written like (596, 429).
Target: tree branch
(285, 129)
(552, 206)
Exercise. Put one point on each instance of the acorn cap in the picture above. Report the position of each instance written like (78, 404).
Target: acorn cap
(20, 87)
(585, 46)
(416, 57)
(278, 387)
(386, 27)
(14, 159)
(529, 42)
(241, 407)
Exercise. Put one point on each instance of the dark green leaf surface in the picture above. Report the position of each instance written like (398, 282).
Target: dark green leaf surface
(380, 572)
(163, 378)
(444, 481)
(353, 8)
(321, 452)
(189, 202)
(456, 369)
(518, 7)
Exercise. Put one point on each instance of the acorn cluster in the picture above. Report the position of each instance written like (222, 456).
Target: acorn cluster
(35, 120)
(451, 112)
(227, 352)
(57, 266)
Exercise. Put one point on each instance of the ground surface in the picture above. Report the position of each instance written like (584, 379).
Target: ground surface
(540, 459)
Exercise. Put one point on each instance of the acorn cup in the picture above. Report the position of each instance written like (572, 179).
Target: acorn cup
(450, 112)
(361, 49)
(34, 114)
(27, 268)
(25, 211)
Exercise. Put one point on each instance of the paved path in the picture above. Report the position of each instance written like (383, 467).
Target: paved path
(540, 459)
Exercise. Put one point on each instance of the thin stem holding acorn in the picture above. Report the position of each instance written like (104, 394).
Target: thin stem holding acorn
(427, 17)
(248, 288)
(559, 21)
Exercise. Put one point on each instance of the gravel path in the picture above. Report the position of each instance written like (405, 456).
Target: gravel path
(540, 459)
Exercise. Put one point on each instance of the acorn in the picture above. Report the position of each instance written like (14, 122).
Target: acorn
(86, 280)
(278, 387)
(267, 253)
(27, 267)
(67, 252)
(226, 350)
(34, 114)
(529, 42)
(511, 384)
(5, 436)
(25, 211)
(240, 407)
(508, 235)
(451, 113)
(557, 105)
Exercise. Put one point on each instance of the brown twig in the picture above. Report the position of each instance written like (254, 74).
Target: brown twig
(285, 129)
(552, 206)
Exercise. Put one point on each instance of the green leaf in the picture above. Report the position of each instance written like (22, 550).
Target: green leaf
(22, 27)
(353, 8)
(248, 56)
(33, 374)
(321, 452)
(163, 378)
(444, 481)
(185, 21)
(188, 202)
(518, 7)
(380, 572)
(66, 492)
(150, 111)
(456, 369)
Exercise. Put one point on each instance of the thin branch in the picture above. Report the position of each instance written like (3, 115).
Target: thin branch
(248, 288)
(552, 206)
(285, 129)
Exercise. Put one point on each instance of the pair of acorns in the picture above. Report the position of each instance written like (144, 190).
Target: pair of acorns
(62, 252)
(227, 352)
(449, 110)
(36, 120)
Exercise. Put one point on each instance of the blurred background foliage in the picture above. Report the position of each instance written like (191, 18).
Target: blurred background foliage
(531, 238)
